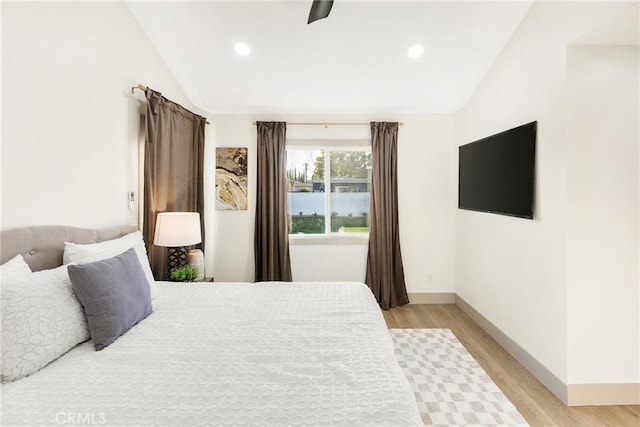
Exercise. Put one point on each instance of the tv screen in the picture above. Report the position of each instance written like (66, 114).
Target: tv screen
(497, 173)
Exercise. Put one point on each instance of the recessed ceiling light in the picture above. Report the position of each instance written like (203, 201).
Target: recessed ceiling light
(242, 49)
(415, 51)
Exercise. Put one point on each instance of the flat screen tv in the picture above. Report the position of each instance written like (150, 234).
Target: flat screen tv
(497, 173)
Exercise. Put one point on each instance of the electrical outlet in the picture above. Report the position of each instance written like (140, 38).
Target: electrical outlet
(429, 278)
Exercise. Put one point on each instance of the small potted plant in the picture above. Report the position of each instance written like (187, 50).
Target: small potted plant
(184, 274)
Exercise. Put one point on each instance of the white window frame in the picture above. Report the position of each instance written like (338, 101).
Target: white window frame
(329, 237)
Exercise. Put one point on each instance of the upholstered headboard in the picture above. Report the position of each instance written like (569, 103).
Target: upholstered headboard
(42, 246)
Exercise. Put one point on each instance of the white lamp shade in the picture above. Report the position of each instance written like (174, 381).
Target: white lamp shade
(175, 229)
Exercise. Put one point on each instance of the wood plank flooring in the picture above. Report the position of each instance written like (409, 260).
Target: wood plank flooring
(534, 401)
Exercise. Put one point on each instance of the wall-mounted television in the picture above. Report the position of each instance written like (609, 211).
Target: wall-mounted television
(497, 173)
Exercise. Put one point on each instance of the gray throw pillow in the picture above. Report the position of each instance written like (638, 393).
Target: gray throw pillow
(114, 294)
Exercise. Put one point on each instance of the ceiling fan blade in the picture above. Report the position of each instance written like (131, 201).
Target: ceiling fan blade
(319, 10)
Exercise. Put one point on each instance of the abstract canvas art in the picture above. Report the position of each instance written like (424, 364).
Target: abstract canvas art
(231, 178)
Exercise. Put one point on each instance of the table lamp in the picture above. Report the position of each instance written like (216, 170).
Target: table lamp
(176, 231)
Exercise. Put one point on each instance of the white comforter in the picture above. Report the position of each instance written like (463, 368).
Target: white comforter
(230, 354)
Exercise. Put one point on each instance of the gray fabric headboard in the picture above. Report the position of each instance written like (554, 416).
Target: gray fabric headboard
(42, 246)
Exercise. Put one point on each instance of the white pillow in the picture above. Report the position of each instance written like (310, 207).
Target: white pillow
(82, 254)
(41, 320)
(15, 266)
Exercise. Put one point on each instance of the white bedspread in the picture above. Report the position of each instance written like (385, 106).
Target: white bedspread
(230, 354)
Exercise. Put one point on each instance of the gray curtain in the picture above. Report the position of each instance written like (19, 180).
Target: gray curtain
(173, 170)
(385, 274)
(271, 245)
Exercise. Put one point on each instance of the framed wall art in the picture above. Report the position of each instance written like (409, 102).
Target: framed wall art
(231, 178)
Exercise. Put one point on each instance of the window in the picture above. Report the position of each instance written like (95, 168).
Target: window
(328, 189)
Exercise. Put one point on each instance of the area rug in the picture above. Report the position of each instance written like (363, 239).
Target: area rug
(450, 386)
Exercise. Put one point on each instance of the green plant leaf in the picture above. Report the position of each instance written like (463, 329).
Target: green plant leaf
(184, 274)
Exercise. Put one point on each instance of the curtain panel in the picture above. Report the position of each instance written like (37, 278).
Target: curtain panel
(173, 170)
(385, 273)
(271, 245)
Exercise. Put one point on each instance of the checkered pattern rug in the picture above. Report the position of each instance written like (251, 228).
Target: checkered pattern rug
(450, 386)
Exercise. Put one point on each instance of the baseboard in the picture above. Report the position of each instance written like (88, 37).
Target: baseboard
(432, 298)
(603, 394)
(569, 394)
(537, 369)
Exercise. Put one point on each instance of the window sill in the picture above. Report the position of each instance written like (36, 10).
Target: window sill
(329, 239)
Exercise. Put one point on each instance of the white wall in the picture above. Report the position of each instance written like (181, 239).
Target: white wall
(514, 271)
(70, 123)
(602, 214)
(426, 161)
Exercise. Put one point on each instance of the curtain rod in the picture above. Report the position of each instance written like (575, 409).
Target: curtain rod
(139, 87)
(326, 124)
(144, 89)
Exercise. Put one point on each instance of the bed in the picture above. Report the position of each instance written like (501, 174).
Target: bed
(219, 354)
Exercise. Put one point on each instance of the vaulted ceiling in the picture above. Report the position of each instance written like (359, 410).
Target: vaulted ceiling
(355, 61)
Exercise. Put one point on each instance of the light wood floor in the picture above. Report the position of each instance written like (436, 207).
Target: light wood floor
(537, 404)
